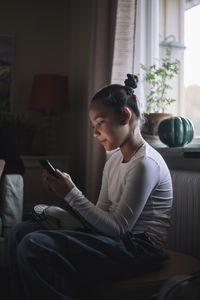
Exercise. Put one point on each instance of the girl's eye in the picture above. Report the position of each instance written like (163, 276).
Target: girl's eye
(98, 124)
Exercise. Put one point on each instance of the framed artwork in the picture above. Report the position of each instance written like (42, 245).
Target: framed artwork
(6, 53)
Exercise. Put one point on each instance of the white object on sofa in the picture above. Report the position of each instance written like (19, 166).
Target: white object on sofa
(11, 203)
(11, 208)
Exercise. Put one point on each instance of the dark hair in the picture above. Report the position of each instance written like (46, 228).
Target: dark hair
(117, 96)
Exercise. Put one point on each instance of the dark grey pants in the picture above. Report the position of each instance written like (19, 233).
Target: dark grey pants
(61, 264)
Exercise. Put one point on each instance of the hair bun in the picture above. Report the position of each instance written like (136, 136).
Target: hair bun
(131, 81)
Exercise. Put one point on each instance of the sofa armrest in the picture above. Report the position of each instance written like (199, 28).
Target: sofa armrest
(11, 202)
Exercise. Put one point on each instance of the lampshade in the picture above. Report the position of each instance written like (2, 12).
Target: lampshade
(49, 92)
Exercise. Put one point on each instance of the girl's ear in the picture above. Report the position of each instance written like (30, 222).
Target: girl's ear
(126, 115)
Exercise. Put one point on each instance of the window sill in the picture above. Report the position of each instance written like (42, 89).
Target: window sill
(191, 150)
(182, 158)
(188, 151)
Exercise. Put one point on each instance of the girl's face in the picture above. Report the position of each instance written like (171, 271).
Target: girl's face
(109, 128)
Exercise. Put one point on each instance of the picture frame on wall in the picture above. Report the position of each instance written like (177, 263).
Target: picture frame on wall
(6, 61)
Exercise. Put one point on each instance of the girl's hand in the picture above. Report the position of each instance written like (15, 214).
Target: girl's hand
(60, 185)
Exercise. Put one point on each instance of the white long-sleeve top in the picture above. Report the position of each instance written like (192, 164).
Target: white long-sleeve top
(135, 196)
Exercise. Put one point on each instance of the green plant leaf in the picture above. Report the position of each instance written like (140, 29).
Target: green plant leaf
(157, 77)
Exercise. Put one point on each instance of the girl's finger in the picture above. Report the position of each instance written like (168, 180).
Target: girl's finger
(59, 174)
(63, 175)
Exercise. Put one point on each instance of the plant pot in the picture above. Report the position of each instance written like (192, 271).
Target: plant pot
(152, 122)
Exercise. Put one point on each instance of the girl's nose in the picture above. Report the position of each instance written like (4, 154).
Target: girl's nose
(95, 131)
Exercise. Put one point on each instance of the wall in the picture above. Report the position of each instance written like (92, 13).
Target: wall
(54, 37)
(40, 31)
(81, 17)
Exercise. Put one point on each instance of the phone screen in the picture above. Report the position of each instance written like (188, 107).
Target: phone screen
(47, 166)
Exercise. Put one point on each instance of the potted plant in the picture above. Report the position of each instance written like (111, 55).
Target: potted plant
(157, 79)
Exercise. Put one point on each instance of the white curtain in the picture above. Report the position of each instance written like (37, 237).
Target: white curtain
(124, 43)
(113, 32)
(147, 41)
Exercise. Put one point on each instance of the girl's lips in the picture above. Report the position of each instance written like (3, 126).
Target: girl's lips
(102, 142)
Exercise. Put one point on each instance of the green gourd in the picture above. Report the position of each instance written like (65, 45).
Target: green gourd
(176, 131)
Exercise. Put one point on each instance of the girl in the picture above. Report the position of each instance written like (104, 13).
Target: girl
(130, 219)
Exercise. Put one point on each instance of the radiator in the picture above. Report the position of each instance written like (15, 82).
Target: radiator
(184, 233)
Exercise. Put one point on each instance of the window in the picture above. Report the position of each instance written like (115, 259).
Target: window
(180, 19)
(171, 33)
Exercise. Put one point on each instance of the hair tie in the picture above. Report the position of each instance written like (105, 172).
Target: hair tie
(129, 89)
(131, 82)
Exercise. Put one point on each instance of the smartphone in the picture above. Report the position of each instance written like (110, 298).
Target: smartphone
(47, 166)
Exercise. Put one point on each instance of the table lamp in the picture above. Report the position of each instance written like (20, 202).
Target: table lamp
(49, 94)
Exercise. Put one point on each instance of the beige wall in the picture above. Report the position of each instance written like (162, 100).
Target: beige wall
(80, 47)
(40, 31)
(52, 36)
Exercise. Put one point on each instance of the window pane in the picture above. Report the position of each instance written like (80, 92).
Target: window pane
(192, 66)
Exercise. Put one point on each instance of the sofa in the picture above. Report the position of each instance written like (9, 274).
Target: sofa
(11, 201)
